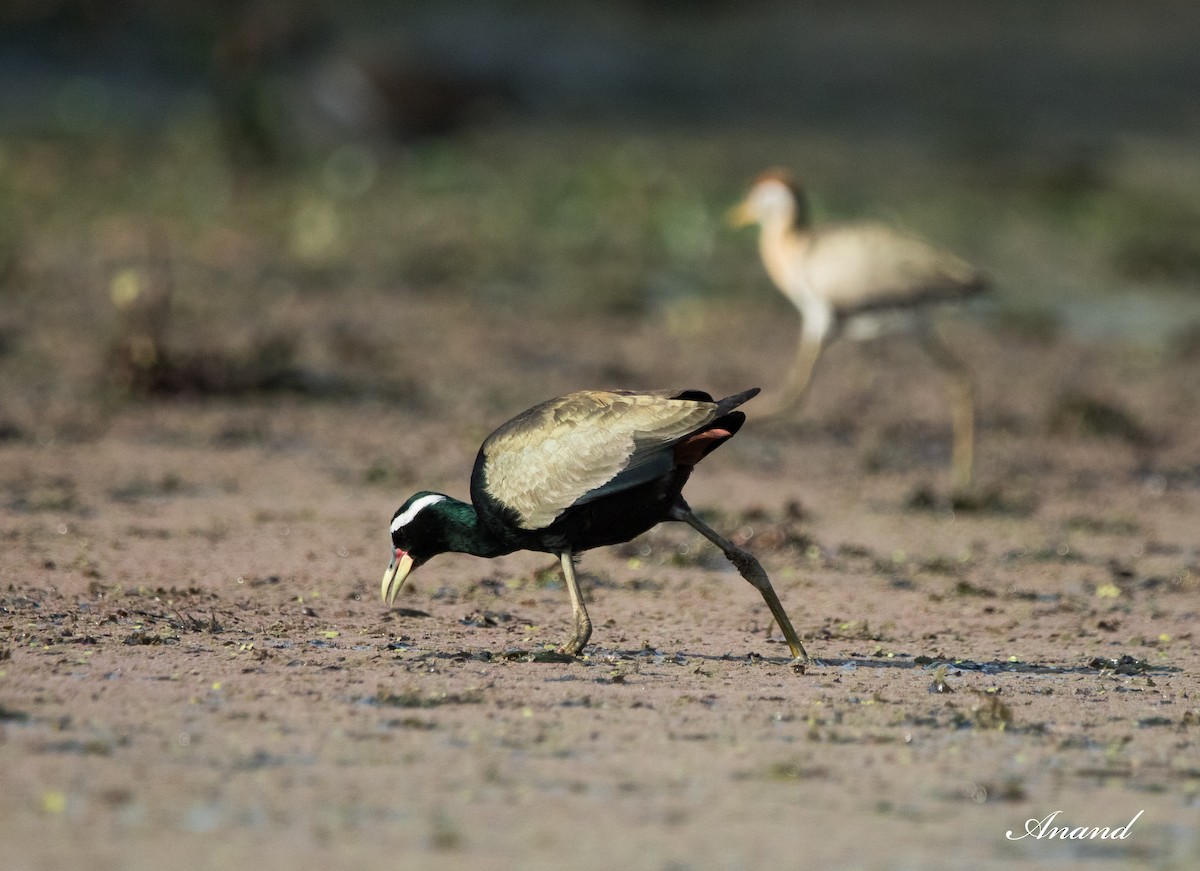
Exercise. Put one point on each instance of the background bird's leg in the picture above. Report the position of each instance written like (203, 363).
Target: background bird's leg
(750, 569)
(962, 387)
(583, 623)
(818, 321)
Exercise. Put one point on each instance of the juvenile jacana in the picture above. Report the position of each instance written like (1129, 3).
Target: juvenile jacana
(861, 279)
(585, 470)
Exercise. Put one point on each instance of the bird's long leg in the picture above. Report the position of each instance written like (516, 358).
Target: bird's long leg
(818, 321)
(962, 395)
(583, 623)
(750, 569)
(808, 351)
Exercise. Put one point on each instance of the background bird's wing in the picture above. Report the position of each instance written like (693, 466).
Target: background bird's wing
(585, 445)
(864, 266)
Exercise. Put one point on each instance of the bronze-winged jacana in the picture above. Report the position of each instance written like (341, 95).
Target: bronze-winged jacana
(863, 279)
(585, 470)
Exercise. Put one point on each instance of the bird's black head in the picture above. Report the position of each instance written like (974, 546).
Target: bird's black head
(417, 528)
(417, 535)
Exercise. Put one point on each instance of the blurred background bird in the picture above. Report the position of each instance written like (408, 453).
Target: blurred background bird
(860, 280)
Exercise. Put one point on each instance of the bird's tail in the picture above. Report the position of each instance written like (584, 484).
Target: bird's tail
(731, 402)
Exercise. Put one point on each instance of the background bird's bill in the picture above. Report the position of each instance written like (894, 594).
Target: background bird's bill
(395, 576)
(740, 215)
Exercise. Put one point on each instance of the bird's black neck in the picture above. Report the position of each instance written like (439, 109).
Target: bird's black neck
(461, 530)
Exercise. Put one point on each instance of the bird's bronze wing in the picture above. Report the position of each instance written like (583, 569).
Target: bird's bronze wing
(584, 445)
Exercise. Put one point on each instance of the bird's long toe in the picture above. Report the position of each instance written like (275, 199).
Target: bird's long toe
(579, 639)
(574, 646)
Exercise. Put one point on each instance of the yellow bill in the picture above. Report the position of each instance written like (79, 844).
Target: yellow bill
(740, 215)
(395, 576)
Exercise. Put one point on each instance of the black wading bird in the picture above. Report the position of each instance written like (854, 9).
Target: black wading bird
(586, 470)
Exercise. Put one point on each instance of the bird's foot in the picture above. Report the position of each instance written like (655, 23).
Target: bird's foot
(574, 645)
(796, 646)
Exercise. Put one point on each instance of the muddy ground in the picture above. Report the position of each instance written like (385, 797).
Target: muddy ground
(197, 670)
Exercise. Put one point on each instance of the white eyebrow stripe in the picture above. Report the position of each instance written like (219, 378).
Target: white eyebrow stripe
(406, 516)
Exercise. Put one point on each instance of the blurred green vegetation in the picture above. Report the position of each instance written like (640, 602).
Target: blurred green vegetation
(566, 216)
(554, 214)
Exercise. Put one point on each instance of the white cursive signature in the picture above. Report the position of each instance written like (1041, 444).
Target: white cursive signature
(1043, 828)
